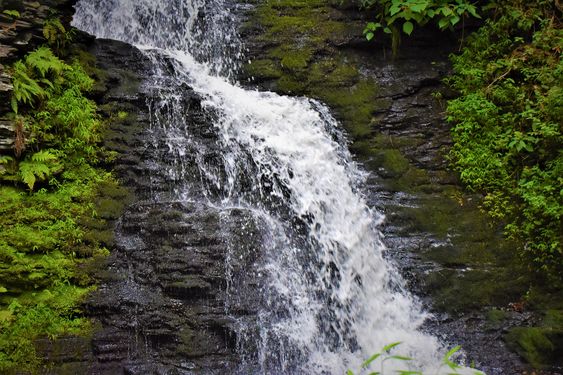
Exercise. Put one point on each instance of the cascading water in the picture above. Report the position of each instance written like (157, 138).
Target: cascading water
(328, 298)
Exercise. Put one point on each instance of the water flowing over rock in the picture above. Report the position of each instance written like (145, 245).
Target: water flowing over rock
(249, 247)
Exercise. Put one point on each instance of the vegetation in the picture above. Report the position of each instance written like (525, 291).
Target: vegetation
(507, 124)
(385, 355)
(49, 187)
(395, 16)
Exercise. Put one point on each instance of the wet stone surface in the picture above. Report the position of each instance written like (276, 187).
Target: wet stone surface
(163, 304)
(451, 256)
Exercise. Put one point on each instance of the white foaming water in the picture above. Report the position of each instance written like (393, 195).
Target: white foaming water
(331, 299)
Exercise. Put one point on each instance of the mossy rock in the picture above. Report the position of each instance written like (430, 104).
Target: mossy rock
(541, 347)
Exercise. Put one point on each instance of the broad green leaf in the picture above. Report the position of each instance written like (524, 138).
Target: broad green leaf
(418, 8)
(443, 23)
(395, 8)
(408, 27)
(471, 9)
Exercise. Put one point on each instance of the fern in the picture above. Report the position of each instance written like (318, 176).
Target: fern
(26, 89)
(4, 159)
(43, 60)
(52, 29)
(56, 34)
(36, 168)
(30, 79)
(43, 156)
(11, 13)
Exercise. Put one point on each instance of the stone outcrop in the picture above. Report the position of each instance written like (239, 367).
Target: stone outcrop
(393, 109)
(163, 304)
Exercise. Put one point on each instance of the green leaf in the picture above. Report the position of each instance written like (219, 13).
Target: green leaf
(394, 9)
(387, 30)
(3, 289)
(43, 156)
(443, 23)
(5, 159)
(471, 9)
(369, 35)
(446, 360)
(349, 372)
(368, 361)
(408, 27)
(386, 348)
(12, 13)
(419, 7)
(28, 177)
(400, 357)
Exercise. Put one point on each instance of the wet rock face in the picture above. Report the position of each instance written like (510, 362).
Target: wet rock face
(163, 304)
(393, 110)
(163, 300)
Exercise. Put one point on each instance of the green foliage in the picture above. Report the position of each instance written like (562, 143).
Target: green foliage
(57, 36)
(507, 125)
(46, 241)
(395, 16)
(37, 166)
(12, 13)
(385, 355)
(63, 119)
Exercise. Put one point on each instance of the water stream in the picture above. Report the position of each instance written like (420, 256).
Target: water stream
(328, 298)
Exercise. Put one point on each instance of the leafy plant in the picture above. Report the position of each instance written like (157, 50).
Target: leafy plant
(38, 166)
(46, 245)
(385, 355)
(507, 126)
(12, 13)
(395, 16)
(57, 35)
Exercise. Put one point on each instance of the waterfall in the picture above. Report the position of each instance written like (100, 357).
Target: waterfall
(328, 298)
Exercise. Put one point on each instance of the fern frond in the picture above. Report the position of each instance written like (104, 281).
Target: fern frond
(12, 13)
(31, 170)
(36, 167)
(26, 89)
(27, 175)
(43, 60)
(43, 156)
(5, 159)
(52, 29)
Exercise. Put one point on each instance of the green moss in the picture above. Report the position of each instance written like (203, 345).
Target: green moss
(535, 344)
(394, 162)
(288, 85)
(265, 69)
(297, 32)
(496, 316)
(53, 229)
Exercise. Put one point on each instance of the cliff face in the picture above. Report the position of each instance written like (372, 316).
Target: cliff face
(18, 36)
